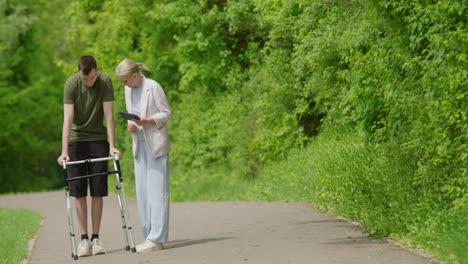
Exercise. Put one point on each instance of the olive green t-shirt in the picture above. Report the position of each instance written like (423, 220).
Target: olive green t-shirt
(89, 112)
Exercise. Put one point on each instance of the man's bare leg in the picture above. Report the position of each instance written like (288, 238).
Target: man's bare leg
(96, 213)
(82, 214)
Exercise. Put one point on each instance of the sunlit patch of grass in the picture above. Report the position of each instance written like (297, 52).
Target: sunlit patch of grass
(17, 228)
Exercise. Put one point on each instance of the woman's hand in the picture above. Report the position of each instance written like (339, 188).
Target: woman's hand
(144, 121)
(132, 128)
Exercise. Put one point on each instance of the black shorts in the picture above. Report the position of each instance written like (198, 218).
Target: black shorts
(82, 150)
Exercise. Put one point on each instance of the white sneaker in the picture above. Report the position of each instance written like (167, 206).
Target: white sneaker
(84, 248)
(148, 246)
(97, 247)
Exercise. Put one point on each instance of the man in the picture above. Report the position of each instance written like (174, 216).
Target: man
(88, 97)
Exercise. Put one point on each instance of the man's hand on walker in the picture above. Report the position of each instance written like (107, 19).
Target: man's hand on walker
(113, 151)
(63, 157)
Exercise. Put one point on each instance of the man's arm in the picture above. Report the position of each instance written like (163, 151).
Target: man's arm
(68, 113)
(109, 113)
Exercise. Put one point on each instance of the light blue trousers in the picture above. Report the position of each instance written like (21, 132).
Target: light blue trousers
(152, 191)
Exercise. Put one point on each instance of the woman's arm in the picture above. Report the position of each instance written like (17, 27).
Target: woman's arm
(165, 114)
(131, 126)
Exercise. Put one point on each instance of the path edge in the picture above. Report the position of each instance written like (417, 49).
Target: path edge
(411, 249)
(31, 243)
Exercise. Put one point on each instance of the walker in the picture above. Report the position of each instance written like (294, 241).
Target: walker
(126, 225)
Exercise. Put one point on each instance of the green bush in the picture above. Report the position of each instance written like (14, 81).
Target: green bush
(30, 89)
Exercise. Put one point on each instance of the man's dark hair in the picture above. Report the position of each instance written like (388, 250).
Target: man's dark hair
(86, 64)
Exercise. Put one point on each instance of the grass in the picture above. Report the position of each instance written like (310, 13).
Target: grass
(451, 242)
(198, 184)
(213, 184)
(14, 245)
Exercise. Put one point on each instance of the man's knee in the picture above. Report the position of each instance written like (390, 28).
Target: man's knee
(80, 199)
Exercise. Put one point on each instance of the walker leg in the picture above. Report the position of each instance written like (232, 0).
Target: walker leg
(128, 235)
(122, 215)
(129, 227)
(74, 255)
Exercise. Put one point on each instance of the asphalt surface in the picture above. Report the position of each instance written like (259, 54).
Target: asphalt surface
(215, 233)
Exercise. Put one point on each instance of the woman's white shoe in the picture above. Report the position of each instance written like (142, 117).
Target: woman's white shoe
(148, 246)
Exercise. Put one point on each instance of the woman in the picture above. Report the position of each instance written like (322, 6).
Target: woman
(145, 98)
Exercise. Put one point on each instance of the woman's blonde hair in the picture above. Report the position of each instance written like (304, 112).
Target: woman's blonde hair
(128, 67)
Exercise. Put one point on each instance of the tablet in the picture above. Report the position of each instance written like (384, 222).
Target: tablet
(129, 116)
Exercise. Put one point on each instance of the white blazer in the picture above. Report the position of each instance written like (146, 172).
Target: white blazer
(154, 105)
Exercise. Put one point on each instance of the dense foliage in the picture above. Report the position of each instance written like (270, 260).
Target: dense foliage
(251, 81)
(30, 95)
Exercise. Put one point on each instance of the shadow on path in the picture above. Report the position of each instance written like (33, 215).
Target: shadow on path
(189, 242)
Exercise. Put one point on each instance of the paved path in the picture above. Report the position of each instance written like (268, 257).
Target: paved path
(216, 233)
